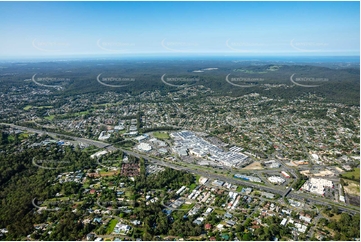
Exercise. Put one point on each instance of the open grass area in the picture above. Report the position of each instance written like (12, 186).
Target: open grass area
(219, 211)
(26, 108)
(128, 194)
(23, 136)
(161, 135)
(192, 186)
(111, 226)
(51, 117)
(108, 173)
(239, 188)
(253, 166)
(81, 113)
(187, 206)
(353, 175)
(334, 217)
(11, 138)
(352, 187)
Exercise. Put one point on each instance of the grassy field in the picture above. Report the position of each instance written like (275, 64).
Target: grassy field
(51, 117)
(334, 217)
(218, 211)
(23, 136)
(352, 188)
(26, 108)
(41, 107)
(239, 188)
(353, 175)
(186, 206)
(81, 113)
(253, 166)
(192, 186)
(161, 135)
(108, 173)
(111, 226)
(11, 138)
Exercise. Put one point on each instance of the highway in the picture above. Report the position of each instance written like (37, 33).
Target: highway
(275, 190)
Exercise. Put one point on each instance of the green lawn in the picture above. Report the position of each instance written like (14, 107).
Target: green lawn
(11, 138)
(218, 211)
(186, 206)
(197, 177)
(23, 136)
(239, 188)
(128, 194)
(111, 226)
(192, 186)
(51, 117)
(81, 113)
(26, 108)
(161, 135)
(353, 175)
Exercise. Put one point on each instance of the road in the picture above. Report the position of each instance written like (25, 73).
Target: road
(275, 190)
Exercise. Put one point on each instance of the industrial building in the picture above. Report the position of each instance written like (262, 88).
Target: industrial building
(187, 142)
(285, 174)
(248, 178)
(276, 179)
(144, 147)
(316, 185)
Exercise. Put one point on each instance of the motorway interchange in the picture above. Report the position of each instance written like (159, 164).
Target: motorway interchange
(210, 173)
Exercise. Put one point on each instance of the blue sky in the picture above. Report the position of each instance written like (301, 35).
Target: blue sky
(38, 29)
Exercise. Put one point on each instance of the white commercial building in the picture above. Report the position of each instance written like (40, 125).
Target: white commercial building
(316, 185)
(104, 136)
(98, 154)
(180, 190)
(276, 179)
(284, 221)
(144, 147)
(186, 140)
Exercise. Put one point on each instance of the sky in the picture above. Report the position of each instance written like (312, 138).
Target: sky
(42, 29)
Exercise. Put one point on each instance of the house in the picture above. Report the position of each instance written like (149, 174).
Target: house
(228, 215)
(97, 220)
(305, 218)
(198, 221)
(225, 236)
(136, 222)
(230, 223)
(284, 221)
(121, 228)
(90, 237)
(207, 226)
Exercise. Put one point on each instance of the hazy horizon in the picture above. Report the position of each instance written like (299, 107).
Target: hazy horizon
(128, 29)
